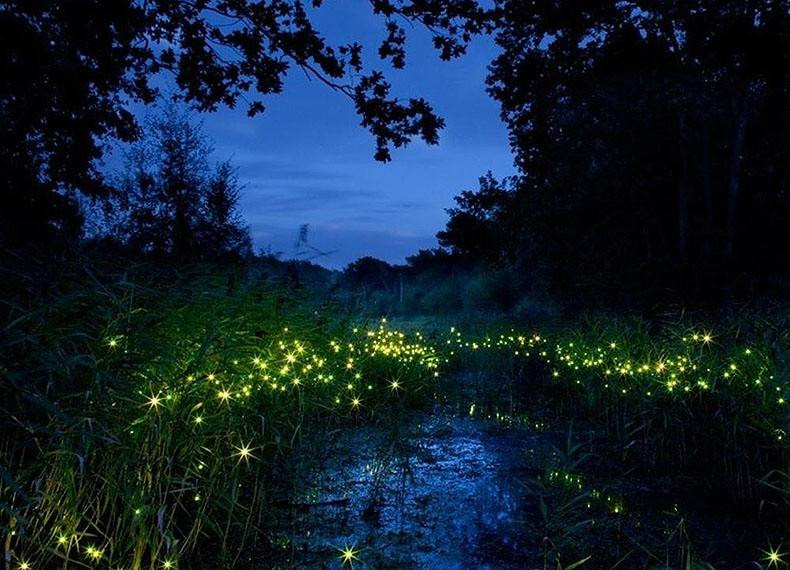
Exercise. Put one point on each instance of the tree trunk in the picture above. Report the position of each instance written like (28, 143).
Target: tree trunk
(707, 193)
(683, 195)
(741, 113)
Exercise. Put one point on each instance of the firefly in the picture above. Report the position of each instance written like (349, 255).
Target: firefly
(154, 402)
(773, 556)
(348, 554)
(245, 452)
(93, 553)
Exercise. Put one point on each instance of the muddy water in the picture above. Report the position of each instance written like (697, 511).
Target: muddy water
(446, 492)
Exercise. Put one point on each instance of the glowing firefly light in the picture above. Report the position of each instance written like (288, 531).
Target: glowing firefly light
(93, 553)
(245, 452)
(773, 556)
(348, 554)
(154, 402)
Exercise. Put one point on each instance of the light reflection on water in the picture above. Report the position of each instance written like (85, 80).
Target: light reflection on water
(446, 496)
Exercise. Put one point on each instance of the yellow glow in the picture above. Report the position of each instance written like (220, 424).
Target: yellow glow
(245, 452)
(348, 554)
(93, 553)
(154, 402)
(773, 556)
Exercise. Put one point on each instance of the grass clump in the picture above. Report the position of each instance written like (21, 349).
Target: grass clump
(145, 420)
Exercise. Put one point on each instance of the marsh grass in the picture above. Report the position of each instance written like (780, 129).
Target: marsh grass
(152, 417)
(696, 410)
(146, 421)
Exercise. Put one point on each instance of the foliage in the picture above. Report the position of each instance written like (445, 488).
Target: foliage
(476, 226)
(650, 139)
(70, 69)
(146, 421)
(712, 407)
(369, 272)
(171, 204)
(150, 414)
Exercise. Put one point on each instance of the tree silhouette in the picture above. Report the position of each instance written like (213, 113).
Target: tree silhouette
(652, 141)
(171, 203)
(223, 234)
(370, 274)
(476, 226)
(68, 70)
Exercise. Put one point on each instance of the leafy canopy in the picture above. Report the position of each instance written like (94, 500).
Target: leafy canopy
(69, 69)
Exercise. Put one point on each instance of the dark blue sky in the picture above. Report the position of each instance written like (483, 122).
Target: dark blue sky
(306, 160)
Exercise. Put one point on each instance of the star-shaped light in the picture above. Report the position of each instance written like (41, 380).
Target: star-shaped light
(774, 556)
(348, 554)
(154, 401)
(93, 553)
(245, 452)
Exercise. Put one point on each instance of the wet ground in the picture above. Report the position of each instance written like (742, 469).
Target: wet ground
(445, 492)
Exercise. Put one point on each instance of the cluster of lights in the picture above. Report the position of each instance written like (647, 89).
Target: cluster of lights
(350, 374)
(595, 497)
(290, 365)
(684, 367)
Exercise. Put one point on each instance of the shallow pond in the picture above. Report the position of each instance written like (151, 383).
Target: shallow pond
(444, 493)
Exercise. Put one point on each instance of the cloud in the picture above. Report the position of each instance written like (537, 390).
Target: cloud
(263, 169)
(264, 201)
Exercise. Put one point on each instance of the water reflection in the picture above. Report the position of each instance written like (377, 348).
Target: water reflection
(447, 494)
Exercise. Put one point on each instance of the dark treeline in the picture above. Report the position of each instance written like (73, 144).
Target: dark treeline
(651, 139)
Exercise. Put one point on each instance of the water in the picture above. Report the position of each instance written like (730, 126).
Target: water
(446, 493)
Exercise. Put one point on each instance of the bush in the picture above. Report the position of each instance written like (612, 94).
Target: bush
(491, 291)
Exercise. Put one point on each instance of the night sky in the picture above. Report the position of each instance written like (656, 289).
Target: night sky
(306, 160)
